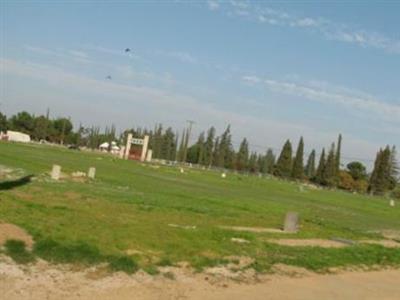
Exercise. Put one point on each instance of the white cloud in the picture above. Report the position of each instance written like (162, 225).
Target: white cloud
(213, 5)
(323, 92)
(328, 29)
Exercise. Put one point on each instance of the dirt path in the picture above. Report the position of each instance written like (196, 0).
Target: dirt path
(47, 282)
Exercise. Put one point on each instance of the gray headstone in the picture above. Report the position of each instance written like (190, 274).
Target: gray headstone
(291, 222)
(92, 173)
(56, 172)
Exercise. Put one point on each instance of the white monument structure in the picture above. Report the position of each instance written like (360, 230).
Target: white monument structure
(137, 148)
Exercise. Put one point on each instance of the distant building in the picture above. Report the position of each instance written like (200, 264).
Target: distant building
(105, 147)
(15, 136)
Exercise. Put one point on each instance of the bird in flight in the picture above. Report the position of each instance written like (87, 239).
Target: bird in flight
(109, 77)
(127, 50)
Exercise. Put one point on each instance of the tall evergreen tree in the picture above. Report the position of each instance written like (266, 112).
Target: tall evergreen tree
(298, 165)
(321, 168)
(269, 162)
(380, 178)
(3, 123)
(216, 153)
(283, 166)
(225, 149)
(253, 166)
(310, 168)
(329, 174)
(209, 147)
(242, 156)
(181, 150)
(201, 148)
(393, 169)
(338, 154)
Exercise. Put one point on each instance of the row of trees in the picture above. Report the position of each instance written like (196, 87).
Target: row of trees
(211, 150)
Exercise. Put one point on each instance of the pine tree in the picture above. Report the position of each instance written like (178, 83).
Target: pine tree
(298, 166)
(329, 174)
(269, 162)
(215, 154)
(201, 148)
(310, 168)
(321, 168)
(338, 154)
(242, 156)
(209, 147)
(380, 178)
(253, 163)
(225, 153)
(283, 166)
(393, 169)
(182, 146)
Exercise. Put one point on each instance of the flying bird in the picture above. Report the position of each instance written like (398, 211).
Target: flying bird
(109, 77)
(127, 50)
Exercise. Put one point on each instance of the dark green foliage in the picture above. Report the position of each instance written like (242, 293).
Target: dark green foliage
(22, 121)
(310, 168)
(3, 123)
(242, 156)
(209, 147)
(268, 162)
(338, 154)
(17, 251)
(224, 157)
(298, 166)
(283, 166)
(78, 252)
(123, 263)
(329, 176)
(382, 178)
(321, 168)
(357, 170)
(253, 163)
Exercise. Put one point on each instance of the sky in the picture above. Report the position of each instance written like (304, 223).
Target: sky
(272, 70)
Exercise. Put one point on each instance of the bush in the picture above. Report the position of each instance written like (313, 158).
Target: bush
(123, 263)
(17, 251)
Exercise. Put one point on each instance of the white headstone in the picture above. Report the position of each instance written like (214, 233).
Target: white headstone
(182, 171)
(92, 172)
(56, 172)
(223, 175)
(392, 204)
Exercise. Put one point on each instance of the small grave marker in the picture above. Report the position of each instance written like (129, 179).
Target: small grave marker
(291, 222)
(223, 175)
(392, 203)
(56, 172)
(92, 172)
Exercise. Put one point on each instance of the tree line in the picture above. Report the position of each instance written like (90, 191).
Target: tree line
(212, 150)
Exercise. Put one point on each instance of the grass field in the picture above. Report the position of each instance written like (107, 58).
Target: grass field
(123, 216)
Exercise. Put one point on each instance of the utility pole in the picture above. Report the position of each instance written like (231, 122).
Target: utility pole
(190, 122)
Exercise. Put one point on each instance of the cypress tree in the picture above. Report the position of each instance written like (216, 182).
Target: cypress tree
(182, 146)
(215, 152)
(329, 174)
(380, 178)
(200, 146)
(283, 166)
(338, 154)
(310, 168)
(298, 166)
(321, 168)
(269, 162)
(253, 163)
(393, 169)
(209, 147)
(242, 156)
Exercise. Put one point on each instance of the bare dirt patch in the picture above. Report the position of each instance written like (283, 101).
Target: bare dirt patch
(44, 281)
(384, 243)
(253, 229)
(14, 232)
(308, 242)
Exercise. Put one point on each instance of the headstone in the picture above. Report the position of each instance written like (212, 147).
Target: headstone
(149, 155)
(223, 175)
(291, 222)
(56, 172)
(392, 204)
(92, 173)
(182, 171)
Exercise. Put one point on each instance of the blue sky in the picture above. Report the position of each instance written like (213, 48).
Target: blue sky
(273, 70)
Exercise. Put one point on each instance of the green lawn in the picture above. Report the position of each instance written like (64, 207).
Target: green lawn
(128, 207)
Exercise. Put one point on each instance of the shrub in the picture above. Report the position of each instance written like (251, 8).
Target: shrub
(17, 251)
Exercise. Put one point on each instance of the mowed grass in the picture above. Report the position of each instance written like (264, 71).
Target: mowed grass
(126, 211)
